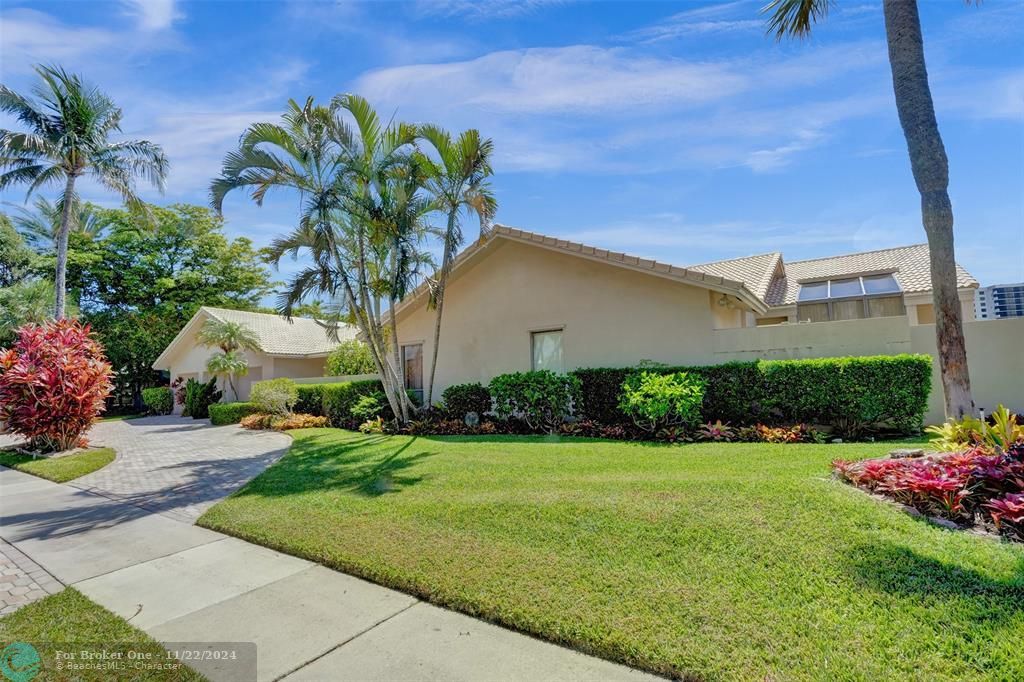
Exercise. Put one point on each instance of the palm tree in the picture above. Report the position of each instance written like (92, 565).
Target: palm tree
(339, 172)
(229, 365)
(70, 125)
(41, 227)
(232, 338)
(29, 301)
(928, 162)
(458, 184)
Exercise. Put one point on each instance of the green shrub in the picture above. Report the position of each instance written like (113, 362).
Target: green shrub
(231, 413)
(199, 396)
(338, 400)
(848, 394)
(350, 357)
(159, 400)
(461, 399)
(733, 391)
(311, 399)
(368, 406)
(274, 396)
(656, 401)
(542, 398)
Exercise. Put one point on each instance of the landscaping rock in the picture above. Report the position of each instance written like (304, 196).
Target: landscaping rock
(837, 440)
(945, 523)
(472, 420)
(903, 453)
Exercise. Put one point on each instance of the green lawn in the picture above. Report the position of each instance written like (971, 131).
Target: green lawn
(711, 561)
(59, 469)
(67, 622)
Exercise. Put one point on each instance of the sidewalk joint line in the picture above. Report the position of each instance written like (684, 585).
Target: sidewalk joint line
(346, 641)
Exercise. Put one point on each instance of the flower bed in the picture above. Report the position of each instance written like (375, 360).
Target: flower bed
(979, 486)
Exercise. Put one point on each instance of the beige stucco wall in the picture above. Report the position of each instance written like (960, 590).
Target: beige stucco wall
(609, 316)
(995, 354)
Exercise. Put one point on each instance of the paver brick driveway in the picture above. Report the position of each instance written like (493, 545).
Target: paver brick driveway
(178, 466)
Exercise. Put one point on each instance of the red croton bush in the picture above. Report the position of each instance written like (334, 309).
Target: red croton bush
(979, 485)
(53, 382)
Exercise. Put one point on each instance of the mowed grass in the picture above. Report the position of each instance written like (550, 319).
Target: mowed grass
(70, 622)
(59, 469)
(711, 561)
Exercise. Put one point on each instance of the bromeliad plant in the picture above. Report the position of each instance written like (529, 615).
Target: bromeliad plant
(969, 486)
(1000, 435)
(53, 383)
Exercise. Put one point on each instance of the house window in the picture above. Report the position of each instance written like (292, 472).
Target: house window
(546, 348)
(412, 362)
(850, 298)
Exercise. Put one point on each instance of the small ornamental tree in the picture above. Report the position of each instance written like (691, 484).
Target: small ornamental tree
(53, 383)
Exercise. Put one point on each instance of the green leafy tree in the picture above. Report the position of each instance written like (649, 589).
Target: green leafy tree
(70, 125)
(15, 256)
(459, 184)
(928, 162)
(350, 357)
(144, 279)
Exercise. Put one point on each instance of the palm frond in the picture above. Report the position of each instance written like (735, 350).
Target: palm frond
(794, 17)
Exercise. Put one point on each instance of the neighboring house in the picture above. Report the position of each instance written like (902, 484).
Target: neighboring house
(998, 301)
(296, 349)
(518, 301)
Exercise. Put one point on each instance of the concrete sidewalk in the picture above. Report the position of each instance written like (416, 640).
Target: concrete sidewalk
(182, 583)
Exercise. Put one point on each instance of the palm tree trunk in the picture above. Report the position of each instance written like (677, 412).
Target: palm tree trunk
(931, 173)
(60, 279)
(442, 282)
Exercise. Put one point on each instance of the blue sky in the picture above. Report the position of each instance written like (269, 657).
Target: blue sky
(673, 130)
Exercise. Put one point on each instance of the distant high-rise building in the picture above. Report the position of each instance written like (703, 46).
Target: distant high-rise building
(999, 300)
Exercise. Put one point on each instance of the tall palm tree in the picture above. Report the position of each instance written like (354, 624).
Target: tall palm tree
(928, 162)
(41, 227)
(70, 124)
(338, 171)
(232, 338)
(459, 184)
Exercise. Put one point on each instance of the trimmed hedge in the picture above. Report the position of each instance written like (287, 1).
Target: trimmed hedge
(847, 393)
(461, 399)
(159, 400)
(311, 399)
(338, 399)
(230, 413)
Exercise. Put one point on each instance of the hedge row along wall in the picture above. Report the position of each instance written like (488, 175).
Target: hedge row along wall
(846, 393)
(334, 400)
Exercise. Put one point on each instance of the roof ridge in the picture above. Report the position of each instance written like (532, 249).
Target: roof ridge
(730, 260)
(860, 253)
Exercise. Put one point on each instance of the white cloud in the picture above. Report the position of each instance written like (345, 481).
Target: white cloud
(477, 10)
(29, 37)
(152, 15)
(554, 80)
(599, 109)
(727, 17)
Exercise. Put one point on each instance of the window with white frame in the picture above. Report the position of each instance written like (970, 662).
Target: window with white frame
(850, 298)
(546, 349)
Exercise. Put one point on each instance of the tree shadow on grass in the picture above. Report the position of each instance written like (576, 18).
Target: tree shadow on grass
(903, 572)
(369, 466)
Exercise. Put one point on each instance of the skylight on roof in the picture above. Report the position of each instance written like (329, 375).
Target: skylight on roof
(849, 287)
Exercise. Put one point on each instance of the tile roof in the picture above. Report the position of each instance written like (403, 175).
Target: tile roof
(278, 336)
(756, 272)
(909, 264)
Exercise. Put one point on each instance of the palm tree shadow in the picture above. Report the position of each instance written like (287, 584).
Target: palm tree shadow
(361, 466)
(904, 572)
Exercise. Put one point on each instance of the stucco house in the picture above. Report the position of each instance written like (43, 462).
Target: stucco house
(518, 300)
(295, 349)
